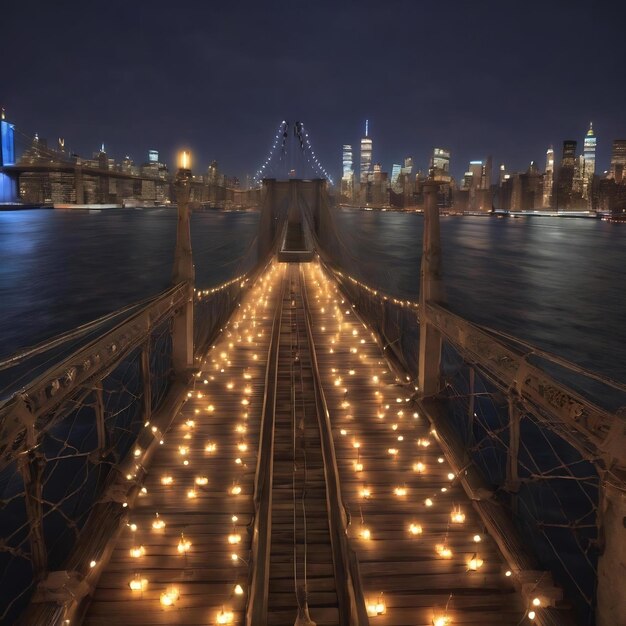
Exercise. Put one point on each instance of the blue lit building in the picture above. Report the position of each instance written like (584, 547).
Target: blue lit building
(8, 184)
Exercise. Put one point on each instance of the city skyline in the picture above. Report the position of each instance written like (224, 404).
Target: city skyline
(192, 80)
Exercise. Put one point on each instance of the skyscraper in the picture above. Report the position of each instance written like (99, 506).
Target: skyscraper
(347, 177)
(589, 155)
(566, 175)
(548, 178)
(476, 168)
(569, 153)
(501, 174)
(366, 155)
(485, 179)
(347, 160)
(440, 165)
(396, 170)
(618, 160)
(8, 187)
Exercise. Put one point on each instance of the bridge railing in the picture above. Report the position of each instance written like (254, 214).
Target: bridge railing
(76, 439)
(538, 443)
(74, 444)
(546, 453)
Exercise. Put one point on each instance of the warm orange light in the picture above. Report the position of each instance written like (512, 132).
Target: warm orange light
(184, 160)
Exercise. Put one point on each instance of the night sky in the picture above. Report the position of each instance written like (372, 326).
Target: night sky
(480, 77)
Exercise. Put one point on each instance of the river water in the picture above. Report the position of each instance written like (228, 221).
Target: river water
(556, 282)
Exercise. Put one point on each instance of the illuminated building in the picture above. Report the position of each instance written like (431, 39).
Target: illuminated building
(347, 160)
(548, 178)
(366, 156)
(347, 177)
(440, 165)
(8, 187)
(485, 178)
(569, 153)
(501, 175)
(566, 175)
(396, 170)
(618, 160)
(476, 170)
(589, 155)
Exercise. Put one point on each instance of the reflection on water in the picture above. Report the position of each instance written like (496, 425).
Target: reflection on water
(555, 282)
(59, 269)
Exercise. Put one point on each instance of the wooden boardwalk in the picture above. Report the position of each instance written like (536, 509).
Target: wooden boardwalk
(300, 544)
(400, 541)
(225, 405)
(407, 580)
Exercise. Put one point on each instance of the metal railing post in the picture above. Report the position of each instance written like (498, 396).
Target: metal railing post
(512, 482)
(611, 608)
(431, 290)
(31, 466)
(182, 331)
(146, 378)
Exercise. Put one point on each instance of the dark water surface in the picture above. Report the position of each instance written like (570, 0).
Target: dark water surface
(59, 269)
(558, 283)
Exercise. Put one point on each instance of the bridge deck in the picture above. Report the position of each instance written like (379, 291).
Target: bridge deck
(370, 409)
(418, 586)
(232, 373)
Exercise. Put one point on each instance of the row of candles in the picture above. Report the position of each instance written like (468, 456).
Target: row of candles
(217, 375)
(346, 337)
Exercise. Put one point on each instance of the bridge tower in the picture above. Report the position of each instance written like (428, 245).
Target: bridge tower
(184, 272)
(8, 182)
(431, 290)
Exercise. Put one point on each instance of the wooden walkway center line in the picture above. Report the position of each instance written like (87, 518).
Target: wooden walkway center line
(301, 553)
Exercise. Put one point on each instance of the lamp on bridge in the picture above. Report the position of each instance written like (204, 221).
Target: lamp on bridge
(184, 160)
(183, 176)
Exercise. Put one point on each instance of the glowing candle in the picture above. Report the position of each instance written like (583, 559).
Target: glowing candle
(443, 551)
(137, 551)
(137, 583)
(202, 480)
(158, 523)
(225, 617)
(457, 516)
(415, 529)
(474, 563)
(167, 480)
(381, 607)
(184, 545)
